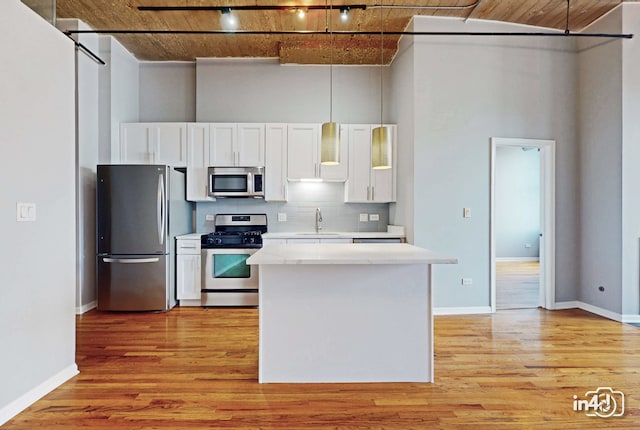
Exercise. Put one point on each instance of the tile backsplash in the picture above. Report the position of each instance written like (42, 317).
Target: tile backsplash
(300, 210)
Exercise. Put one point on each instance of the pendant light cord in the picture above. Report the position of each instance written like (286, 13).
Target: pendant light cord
(328, 27)
(381, 59)
(566, 27)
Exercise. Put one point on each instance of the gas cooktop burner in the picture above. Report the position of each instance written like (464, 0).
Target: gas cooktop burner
(236, 231)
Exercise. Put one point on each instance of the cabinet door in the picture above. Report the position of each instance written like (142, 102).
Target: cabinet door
(358, 188)
(250, 148)
(383, 181)
(170, 144)
(222, 144)
(135, 144)
(188, 279)
(339, 172)
(275, 169)
(302, 157)
(197, 162)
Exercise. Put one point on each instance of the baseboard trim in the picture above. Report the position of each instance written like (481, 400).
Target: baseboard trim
(517, 258)
(558, 306)
(86, 307)
(29, 398)
(631, 318)
(591, 308)
(462, 311)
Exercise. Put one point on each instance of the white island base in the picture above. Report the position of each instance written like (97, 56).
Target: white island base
(345, 313)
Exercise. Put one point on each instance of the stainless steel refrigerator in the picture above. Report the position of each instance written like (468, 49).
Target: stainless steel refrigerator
(140, 210)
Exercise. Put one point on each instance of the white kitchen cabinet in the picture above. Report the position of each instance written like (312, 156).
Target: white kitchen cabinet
(275, 163)
(234, 144)
(153, 143)
(198, 162)
(188, 276)
(223, 139)
(304, 155)
(367, 185)
(251, 145)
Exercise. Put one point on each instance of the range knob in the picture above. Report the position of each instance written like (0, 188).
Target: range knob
(217, 241)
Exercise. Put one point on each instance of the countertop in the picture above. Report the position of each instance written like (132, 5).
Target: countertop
(311, 235)
(190, 236)
(347, 253)
(333, 235)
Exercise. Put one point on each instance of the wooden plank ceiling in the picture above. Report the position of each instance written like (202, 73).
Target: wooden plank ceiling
(304, 48)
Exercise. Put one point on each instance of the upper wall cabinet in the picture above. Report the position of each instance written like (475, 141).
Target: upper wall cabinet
(153, 143)
(198, 162)
(275, 166)
(367, 185)
(236, 144)
(304, 155)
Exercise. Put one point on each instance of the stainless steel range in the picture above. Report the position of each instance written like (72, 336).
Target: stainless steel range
(227, 279)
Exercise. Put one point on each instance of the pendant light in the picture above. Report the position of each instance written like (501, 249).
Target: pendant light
(330, 143)
(381, 145)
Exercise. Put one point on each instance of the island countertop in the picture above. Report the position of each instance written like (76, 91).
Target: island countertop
(347, 253)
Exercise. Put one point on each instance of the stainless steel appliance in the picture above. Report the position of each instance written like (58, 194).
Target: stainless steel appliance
(236, 182)
(140, 210)
(227, 279)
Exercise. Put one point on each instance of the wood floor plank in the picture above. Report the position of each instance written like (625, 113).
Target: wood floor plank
(197, 368)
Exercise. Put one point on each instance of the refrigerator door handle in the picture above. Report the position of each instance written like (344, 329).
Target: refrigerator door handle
(160, 212)
(131, 260)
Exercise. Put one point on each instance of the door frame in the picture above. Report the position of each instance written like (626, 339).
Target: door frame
(547, 216)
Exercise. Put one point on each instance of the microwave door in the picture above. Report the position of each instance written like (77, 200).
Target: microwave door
(230, 184)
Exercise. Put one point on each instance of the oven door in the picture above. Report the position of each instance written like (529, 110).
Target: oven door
(227, 269)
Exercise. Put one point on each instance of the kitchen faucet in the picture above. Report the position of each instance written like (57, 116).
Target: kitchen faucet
(318, 220)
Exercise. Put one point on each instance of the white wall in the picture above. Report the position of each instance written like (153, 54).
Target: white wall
(600, 129)
(517, 202)
(119, 95)
(403, 113)
(468, 90)
(631, 161)
(37, 124)
(265, 91)
(87, 140)
(167, 91)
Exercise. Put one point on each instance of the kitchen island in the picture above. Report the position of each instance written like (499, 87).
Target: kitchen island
(346, 312)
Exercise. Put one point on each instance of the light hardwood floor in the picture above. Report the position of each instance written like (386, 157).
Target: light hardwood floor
(517, 284)
(193, 368)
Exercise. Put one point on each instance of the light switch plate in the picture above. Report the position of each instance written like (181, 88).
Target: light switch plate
(374, 217)
(282, 216)
(466, 212)
(364, 217)
(209, 217)
(25, 211)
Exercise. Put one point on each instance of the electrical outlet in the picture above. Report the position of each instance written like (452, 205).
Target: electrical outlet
(364, 217)
(209, 217)
(527, 245)
(282, 216)
(374, 217)
(467, 281)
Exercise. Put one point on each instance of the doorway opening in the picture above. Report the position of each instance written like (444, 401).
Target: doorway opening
(522, 223)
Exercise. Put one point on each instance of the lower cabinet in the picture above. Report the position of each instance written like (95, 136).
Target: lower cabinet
(188, 276)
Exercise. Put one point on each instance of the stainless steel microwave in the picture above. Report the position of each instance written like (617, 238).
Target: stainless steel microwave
(236, 182)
